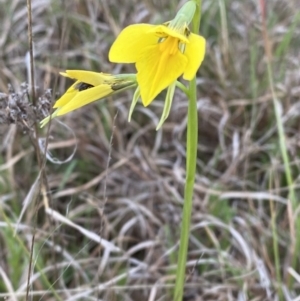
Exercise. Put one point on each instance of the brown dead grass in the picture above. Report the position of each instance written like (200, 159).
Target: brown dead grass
(107, 225)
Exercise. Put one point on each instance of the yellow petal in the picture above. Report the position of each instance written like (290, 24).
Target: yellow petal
(85, 97)
(92, 78)
(68, 96)
(158, 69)
(194, 51)
(131, 42)
(64, 74)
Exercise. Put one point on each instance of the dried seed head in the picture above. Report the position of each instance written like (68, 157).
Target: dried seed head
(16, 107)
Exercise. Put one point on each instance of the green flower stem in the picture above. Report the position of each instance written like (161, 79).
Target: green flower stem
(191, 158)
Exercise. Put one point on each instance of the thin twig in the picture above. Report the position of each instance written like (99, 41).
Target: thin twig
(30, 41)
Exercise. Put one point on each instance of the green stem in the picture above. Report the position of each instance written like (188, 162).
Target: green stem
(183, 88)
(275, 241)
(295, 244)
(191, 158)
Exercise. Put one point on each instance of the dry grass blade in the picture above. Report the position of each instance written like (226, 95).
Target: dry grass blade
(8, 285)
(90, 235)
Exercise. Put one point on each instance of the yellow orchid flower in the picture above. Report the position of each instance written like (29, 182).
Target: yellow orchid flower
(161, 53)
(89, 87)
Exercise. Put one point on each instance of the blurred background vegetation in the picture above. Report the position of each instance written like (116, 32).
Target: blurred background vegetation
(100, 220)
